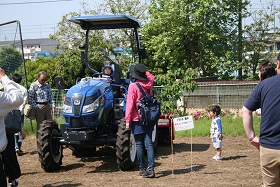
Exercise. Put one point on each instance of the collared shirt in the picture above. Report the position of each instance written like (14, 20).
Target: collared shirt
(43, 94)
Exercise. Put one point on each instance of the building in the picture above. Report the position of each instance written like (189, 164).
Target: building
(39, 47)
(35, 47)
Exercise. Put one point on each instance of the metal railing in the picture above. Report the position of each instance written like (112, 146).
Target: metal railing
(227, 95)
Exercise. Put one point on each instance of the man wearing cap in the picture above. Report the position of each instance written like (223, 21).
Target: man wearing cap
(10, 99)
(142, 133)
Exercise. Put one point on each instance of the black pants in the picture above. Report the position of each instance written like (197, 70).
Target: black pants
(9, 157)
(3, 181)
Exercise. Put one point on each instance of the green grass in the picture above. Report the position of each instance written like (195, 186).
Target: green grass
(231, 127)
(27, 125)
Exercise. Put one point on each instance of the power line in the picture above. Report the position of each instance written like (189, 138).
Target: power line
(33, 2)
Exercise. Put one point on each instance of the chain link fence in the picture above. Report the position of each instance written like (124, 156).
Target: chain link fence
(228, 95)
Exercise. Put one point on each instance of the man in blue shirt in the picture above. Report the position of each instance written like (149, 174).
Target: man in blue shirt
(266, 96)
(41, 98)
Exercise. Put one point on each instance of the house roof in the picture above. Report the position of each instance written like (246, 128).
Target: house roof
(42, 41)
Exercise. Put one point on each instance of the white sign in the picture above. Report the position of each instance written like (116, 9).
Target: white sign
(183, 123)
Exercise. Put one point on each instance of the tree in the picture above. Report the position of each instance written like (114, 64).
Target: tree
(41, 64)
(10, 59)
(189, 34)
(260, 38)
(174, 88)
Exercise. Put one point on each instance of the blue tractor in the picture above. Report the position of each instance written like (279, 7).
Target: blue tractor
(94, 109)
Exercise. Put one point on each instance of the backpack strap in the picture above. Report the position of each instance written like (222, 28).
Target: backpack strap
(141, 89)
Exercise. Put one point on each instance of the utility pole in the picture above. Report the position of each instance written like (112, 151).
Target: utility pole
(240, 45)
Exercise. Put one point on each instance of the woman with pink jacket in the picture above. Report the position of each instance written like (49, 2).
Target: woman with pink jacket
(142, 133)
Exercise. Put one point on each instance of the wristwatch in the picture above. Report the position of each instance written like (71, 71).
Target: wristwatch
(250, 139)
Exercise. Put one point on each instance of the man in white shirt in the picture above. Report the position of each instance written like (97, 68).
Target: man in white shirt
(10, 99)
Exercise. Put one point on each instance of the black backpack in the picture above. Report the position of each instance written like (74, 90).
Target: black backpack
(149, 108)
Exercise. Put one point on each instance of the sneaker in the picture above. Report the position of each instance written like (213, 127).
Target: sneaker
(149, 174)
(141, 172)
(216, 157)
(19, 152)
(14, 183)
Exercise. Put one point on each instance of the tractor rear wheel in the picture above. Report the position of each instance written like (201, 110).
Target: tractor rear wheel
(155, 137)
(48, 146)
(125, 147)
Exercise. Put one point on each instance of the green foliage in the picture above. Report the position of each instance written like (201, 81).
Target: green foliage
(194, 35)
(27, 125)
(231, 127)
(175, 83)
(70, 67)
(10, 59)
(259, 37)
(49, 65)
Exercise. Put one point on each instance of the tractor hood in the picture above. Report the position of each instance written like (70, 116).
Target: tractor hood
(88, 87)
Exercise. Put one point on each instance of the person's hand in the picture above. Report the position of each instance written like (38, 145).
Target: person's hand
(255, 142)
(221, 137)
(23, 134)
(2, 73)
(127, 125)
(53, 111)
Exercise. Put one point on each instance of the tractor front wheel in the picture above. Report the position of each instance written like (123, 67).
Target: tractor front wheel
(48, 146)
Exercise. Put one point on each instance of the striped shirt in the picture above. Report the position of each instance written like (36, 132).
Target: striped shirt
(41, 94)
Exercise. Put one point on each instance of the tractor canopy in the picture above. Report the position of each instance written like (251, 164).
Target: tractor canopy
(99, 22)
(102, 22)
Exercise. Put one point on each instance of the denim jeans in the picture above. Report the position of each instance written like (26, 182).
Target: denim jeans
(142, 141)
(17, 143)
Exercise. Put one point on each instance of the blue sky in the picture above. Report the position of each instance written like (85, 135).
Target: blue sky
(38, 20)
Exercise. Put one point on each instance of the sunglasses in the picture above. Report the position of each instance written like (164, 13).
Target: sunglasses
(44, 80)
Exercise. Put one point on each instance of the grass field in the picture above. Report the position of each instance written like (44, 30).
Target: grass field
(232, 126)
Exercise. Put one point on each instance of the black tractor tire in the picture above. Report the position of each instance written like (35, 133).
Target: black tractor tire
(48, 146)
(125, 147)
(155, 137)
(80, 152)
(164, 137)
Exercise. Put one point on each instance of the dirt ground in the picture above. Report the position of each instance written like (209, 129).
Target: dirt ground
(239, 166)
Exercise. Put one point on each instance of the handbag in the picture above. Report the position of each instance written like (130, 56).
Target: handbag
(29, 112)
(13, 122)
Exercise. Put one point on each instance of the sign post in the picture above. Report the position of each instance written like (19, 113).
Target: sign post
(184, 123)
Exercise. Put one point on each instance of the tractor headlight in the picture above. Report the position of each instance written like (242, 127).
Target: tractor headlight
(91, 107)
(67, 108)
